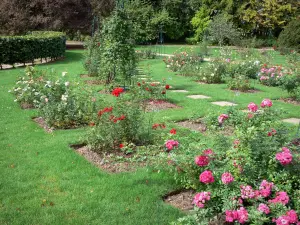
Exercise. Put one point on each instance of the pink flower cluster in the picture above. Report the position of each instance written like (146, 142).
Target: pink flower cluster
(270, 73)
(247, 192)
(285, 157)
(263, 208)
(281, 197)
(202, 160)
(208, 152)
(265, 188)
(170, 144)
(240, 215)
(252, 107)
(227, 178)
(201, 198)
(266, 103)
(291, 217)
(206, 177)
(222, 118)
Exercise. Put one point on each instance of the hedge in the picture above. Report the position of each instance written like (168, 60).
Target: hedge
(35, 45)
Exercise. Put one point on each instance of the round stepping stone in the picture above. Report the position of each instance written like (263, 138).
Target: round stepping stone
(295, 121)
(224, 103)
(180, 91)
(198, 96)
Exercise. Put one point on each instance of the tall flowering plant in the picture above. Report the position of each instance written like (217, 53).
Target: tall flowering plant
(271, 76)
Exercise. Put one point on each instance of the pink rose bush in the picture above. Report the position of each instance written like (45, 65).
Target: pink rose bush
(227, 178)
(171, 144)
(263, 208)
(222, 118)
(240, 215)
(270, 76)
(201, 198)
(206, 177)
(285, 157)
(252, 107)
(266, 103)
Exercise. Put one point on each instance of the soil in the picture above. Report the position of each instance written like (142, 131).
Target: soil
(85, 76)
(181, 199)
(157, 105)
(93, 82)
(42, 123)
(106, 161)
(197, 126)
(26, 106)
(247, 91)
(296, 142)
(290, 100)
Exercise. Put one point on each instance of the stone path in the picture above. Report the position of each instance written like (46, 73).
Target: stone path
(198, 96)
(224, 103)
(295, 121)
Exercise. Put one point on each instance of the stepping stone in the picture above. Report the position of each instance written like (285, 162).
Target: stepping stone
(295, 121)
(142, 78)
(224, 103)
(154, 82)
(180, 91)
(198, 96)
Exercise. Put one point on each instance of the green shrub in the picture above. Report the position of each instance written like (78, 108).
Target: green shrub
(289, 38)
(238, 82)
(36, 45)
(291, 84)
(213, 72)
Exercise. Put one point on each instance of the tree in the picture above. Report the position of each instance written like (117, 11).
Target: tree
(290, 37)
(221, 29)
(200, 22)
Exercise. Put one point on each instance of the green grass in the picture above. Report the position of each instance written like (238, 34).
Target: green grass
(38, 169)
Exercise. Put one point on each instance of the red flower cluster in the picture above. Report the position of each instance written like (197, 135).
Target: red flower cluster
(117, 91)
(105, 110)
(272, 132)
(167, 86)
(116, 119)
(157, 125)
(173, 131)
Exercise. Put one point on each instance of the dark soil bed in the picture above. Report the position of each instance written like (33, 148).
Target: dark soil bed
(290, 100)
(25, 105)
(107, 161)
(197, 126)
(181, 199)
(85, 76)
(157, 105)
(93, 82)
(42, 123)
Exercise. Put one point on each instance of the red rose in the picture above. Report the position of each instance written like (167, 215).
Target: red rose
(121, 146)
(139, 84)
(167, 86)
(173, 131)
(117, 91)
(92, 124)
(163, 92)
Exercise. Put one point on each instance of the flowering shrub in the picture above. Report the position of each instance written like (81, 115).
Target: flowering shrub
(270, 76)
(28, 88)
(247, 178)
(181, 60)
(291, 84)
(214, 72)
(123, 121)
(239, 82)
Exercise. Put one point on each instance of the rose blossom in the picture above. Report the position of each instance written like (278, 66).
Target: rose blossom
(265, 188)
(227, 178)
(293, 217)
(247, 192)
(266, 102)
(206, 177)
(222, 118)
(285, 157)
(281, 197)
(170, 144)
(208, 152)
(263, 208)
(240, 215)
(201, 198)
(283, 220)
(252, 107)
(202, 160)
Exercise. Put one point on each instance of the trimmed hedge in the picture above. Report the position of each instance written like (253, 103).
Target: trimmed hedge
(36, 45)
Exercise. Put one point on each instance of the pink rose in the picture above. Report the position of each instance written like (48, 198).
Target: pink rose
(227, 178)
(201, 198)
(285, 157)
(263, 208)
(252, 107)
(202, 160)
(222, 118)
(266, 103)
(206, 177)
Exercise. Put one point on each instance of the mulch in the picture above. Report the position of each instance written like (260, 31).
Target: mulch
(106, 161)
(26, 105)
(181, 199)
(290, 100)
(196, 126)
(42, 123)
(157, 105)
(93, 82)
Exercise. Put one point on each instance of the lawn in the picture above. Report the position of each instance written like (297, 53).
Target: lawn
(45, 182)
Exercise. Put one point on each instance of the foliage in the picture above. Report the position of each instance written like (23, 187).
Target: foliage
(214, 72)
(150, 90)
(200, 22)
(291, 84)
(290, 36)
(122, 121)
(183, 59)
(239, 82)
(222, 30)
(117, 60)
(37, 45)
(258, 165)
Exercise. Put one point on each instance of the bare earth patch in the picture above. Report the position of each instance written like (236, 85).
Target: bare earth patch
(182, 199)
(85, 76)
(106, 161)
(42, 123)
(196, 126)
(93, 82)
(25, 105)
(290, 100)
(157, 105)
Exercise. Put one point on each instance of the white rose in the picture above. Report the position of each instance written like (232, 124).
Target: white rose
(64, 73)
